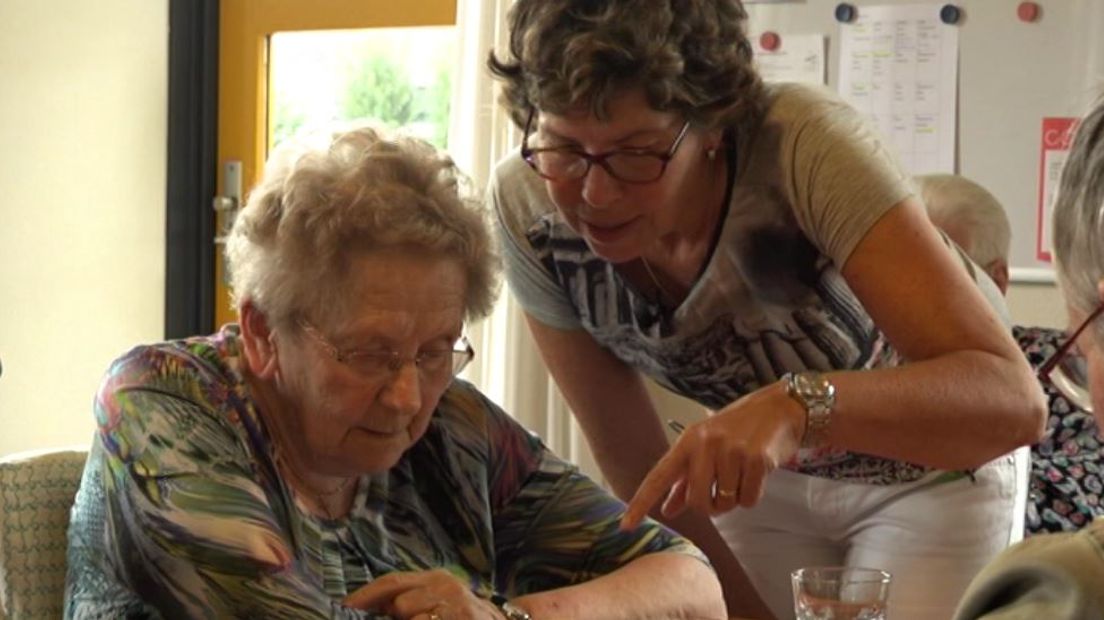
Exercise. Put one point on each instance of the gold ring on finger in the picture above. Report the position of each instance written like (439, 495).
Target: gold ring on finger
(726, 493)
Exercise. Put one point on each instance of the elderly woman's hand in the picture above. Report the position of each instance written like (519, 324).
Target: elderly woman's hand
(720, 463)
(423, 595)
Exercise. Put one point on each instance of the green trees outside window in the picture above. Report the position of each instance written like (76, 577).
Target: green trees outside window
(394, 77)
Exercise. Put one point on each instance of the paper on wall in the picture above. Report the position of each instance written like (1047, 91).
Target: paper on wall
(1055, 143)
(798, 58)
(899, 65)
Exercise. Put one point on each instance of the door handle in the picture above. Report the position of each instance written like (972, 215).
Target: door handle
(227, 204)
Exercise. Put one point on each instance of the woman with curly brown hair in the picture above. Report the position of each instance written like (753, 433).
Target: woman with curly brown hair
(757, 249)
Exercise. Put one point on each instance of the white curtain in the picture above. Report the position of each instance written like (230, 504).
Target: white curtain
(508, 367)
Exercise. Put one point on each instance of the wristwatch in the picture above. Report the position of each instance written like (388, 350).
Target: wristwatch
(508, 609)
(817, 395)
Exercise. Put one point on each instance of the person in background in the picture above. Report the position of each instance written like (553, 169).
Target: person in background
(322, 460)
(973, 218)
(758, 250)
(1067, 464)
(1061, 576)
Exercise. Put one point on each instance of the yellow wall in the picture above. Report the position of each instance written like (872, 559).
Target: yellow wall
(83, 95)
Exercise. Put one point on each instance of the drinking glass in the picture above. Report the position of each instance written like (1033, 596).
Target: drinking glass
(840, 593)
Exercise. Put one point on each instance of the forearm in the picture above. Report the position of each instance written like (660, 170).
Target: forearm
(626, 437)
(740, 595)
(956, 411)
(657, 585)
(626, 455)
(609, 402)
(965, 394)
(625, 462)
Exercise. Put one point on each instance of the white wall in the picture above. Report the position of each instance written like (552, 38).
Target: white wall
(83, 95)
(1011, 75)
(1037, 305)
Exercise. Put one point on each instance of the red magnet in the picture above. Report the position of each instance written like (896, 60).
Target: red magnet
(1028, 11)
(770, 41)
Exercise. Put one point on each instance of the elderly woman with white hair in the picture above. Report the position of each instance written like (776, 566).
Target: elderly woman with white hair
(1061, 576)
(322, 460)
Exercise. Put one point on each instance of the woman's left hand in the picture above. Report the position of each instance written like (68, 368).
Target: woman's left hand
(422, 595)
(721, 462)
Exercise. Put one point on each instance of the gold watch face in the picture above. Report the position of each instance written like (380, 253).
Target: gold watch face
(812, 386)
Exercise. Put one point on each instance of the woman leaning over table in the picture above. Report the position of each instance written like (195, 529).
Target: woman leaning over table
(670, 216)
(321, 461)
(1061, 576)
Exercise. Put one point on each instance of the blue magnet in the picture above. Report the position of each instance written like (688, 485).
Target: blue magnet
(845, 12)
(950, 14)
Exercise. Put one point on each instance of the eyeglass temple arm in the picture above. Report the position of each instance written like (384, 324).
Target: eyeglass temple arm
(1064, 349)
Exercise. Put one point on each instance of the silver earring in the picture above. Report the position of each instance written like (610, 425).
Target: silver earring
(711, 154)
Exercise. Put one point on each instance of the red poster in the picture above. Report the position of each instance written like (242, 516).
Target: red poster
(1057, 134)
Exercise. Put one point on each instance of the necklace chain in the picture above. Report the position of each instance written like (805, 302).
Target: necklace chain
(662, 290)
(318, 496)
(663, 293)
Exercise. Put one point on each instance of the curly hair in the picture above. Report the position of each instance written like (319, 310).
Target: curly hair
(319, 206)
(1079, 216)
(691, 57)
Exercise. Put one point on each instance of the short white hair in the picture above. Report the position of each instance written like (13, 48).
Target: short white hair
(957, 203)
(1079, 216)
(320, 203)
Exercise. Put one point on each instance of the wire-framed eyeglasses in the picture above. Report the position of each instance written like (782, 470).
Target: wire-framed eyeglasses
(439, 364)
(1067, 371)
(568, 163)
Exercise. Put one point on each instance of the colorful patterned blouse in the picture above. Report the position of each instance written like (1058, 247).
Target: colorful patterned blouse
(181, 512)
(1067, 465)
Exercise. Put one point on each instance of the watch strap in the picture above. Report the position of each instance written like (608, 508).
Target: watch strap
(508, 609)
(817, 394)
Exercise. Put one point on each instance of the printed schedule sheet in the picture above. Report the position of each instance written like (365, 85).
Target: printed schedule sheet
(899, 65)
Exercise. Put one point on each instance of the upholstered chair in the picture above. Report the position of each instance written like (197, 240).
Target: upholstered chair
(36, 494)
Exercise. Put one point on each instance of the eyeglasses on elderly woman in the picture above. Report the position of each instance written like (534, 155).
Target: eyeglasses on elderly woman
(433, 364)
(1067, 371)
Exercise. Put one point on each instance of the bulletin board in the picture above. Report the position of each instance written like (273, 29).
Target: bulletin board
(1012, 75)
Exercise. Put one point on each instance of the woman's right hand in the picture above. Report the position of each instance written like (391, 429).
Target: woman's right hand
(423, 595)
(721, 463)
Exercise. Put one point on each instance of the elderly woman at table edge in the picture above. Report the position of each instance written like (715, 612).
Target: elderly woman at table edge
(321, 461)
(1061, 576)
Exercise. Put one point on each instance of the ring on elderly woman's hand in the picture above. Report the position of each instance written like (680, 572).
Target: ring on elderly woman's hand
(725, 493)
(434, 616)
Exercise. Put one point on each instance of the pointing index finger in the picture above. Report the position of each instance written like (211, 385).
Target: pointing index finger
(654, 487)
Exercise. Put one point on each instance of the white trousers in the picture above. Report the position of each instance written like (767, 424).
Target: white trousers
(932, 536)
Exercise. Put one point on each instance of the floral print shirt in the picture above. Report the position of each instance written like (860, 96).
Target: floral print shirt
(182, 512)
(1066, 465)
